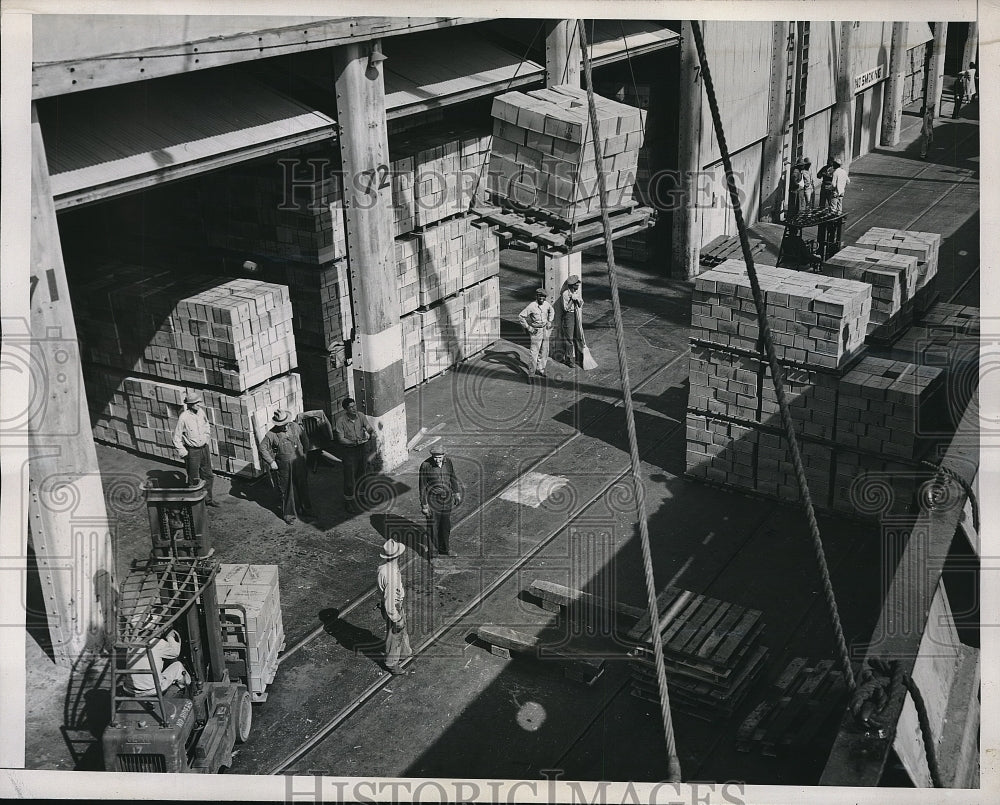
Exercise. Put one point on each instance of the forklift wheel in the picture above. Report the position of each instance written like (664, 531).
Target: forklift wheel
(244, 716)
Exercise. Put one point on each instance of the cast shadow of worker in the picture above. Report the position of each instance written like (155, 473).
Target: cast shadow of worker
(351, 637)
(393, 526)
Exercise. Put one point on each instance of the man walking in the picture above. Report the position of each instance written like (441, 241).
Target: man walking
(282, 450)
(926, 132)
(390, 584)
(439, 492)
(536, 319)
(353, 431)
(192, 438)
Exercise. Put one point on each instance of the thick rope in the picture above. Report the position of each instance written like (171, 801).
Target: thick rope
(673, 763)
(925, 729)
(772, 359)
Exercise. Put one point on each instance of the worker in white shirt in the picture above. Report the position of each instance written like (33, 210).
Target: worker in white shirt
(165, 648)
(840, 182)
(536, 319)
(353, 433)
(390, 585)
(192, 438)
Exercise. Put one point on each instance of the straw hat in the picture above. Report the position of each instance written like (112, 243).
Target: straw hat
(281, 417)
(392, 549)
(573, 280)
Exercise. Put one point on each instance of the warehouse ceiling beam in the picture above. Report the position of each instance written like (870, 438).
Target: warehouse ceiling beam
(68, 521)
(364, 150)
(104, 69)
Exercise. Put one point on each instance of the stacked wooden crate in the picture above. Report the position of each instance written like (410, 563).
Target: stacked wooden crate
(151, 409)
(482, 316)
(442, 332)
(321, 300)
(543, 153)
(435, 174)
(711, 648)
(250, 604)
(413, 350)
(924, 246)
(893, 278)
(326, 379)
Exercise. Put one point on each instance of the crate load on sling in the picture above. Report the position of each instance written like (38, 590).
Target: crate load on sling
(543, 155)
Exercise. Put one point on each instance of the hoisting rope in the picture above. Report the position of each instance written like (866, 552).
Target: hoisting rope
(673, 763)
(772, 359)
(880, 682)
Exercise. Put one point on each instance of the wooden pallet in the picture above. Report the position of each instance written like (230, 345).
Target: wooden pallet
(554, 234)
(557, 598)
(503, 640)
(723, 248)
(799, 702)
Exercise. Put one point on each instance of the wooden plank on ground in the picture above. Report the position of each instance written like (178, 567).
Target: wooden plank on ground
(573, 598)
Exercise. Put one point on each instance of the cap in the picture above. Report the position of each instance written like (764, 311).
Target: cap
(392, 549)
(192, 397)
(540, 292)
(437, 450)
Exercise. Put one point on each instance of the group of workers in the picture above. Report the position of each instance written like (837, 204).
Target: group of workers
(832, 179)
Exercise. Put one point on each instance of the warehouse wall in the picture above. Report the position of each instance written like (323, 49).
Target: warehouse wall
(821, 92)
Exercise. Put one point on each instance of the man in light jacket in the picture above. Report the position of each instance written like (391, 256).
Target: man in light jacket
(536, 319)
(192, 438)
(390, 585)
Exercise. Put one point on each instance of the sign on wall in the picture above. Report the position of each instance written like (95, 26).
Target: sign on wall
(869, 78)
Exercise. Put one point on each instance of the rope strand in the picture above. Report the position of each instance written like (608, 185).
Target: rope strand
(673, 763)
(772, 359)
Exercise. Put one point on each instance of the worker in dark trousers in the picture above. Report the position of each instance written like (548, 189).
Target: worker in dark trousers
(353, 432)
(440, 491)
(390, 585)
(192, 438)
(282, 450)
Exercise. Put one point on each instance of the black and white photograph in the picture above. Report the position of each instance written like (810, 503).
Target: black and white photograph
(516, 408)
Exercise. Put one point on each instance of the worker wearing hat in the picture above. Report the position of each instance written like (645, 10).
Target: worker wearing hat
(282, 449)
(192, 438)
(390, 585)
(536, 319)
(440, 491)
(571, 341)
(799, 183)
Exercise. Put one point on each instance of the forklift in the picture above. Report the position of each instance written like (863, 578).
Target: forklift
(192, 724)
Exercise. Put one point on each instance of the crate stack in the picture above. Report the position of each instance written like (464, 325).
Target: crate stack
(543, 157)
(442, 333)
(413, 350)
(436, 172)
(893, 278)
(924, 246)
(149, 336)
(711, 649)
(250, 604)
(638, 247)
(856, 419)
(482, 316)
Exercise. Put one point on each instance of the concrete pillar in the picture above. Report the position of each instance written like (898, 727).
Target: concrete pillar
(971, 47)
(562, 53)
(686, 247)
(67, 519)
(842, 121)
(364, 151)
(555, 268)
(892, 115)
(935, 75)
(775, 171)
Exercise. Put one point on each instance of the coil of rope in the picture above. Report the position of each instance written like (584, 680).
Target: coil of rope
(673, 763)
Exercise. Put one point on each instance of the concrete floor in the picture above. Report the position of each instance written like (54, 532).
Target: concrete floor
(466, 712)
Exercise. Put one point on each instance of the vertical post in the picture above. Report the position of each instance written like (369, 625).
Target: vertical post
(686, 248)
(364, 150)
(556, 268)
(842, 123)
(562, 53)
(971, 47)
(774, 170)
(67, 519)
(892, 117)
(935, 76)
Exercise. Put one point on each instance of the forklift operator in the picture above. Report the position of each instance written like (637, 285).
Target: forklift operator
(167, 647)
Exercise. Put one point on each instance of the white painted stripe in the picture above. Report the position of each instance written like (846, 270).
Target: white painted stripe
(533, 488)
(376, 351)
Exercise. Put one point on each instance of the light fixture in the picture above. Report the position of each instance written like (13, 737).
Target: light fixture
(375, 55)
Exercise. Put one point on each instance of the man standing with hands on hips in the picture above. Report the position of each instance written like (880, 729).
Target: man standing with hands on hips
(282, 450)
(536, 319)
(353, 432)
(192, 438)
(439, 492)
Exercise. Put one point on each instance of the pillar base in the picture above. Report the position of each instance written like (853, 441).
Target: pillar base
(557, 268)
(390, 430)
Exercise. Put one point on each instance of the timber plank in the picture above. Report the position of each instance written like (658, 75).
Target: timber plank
(720, 631)
(571, 598)
(735, 638)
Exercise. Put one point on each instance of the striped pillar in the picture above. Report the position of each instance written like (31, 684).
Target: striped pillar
(364, 151)
(562, 53)
(842, 122)
(892, 115)
(686, 246)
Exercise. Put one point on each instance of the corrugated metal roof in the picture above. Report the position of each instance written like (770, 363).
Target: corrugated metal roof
(115, 140)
